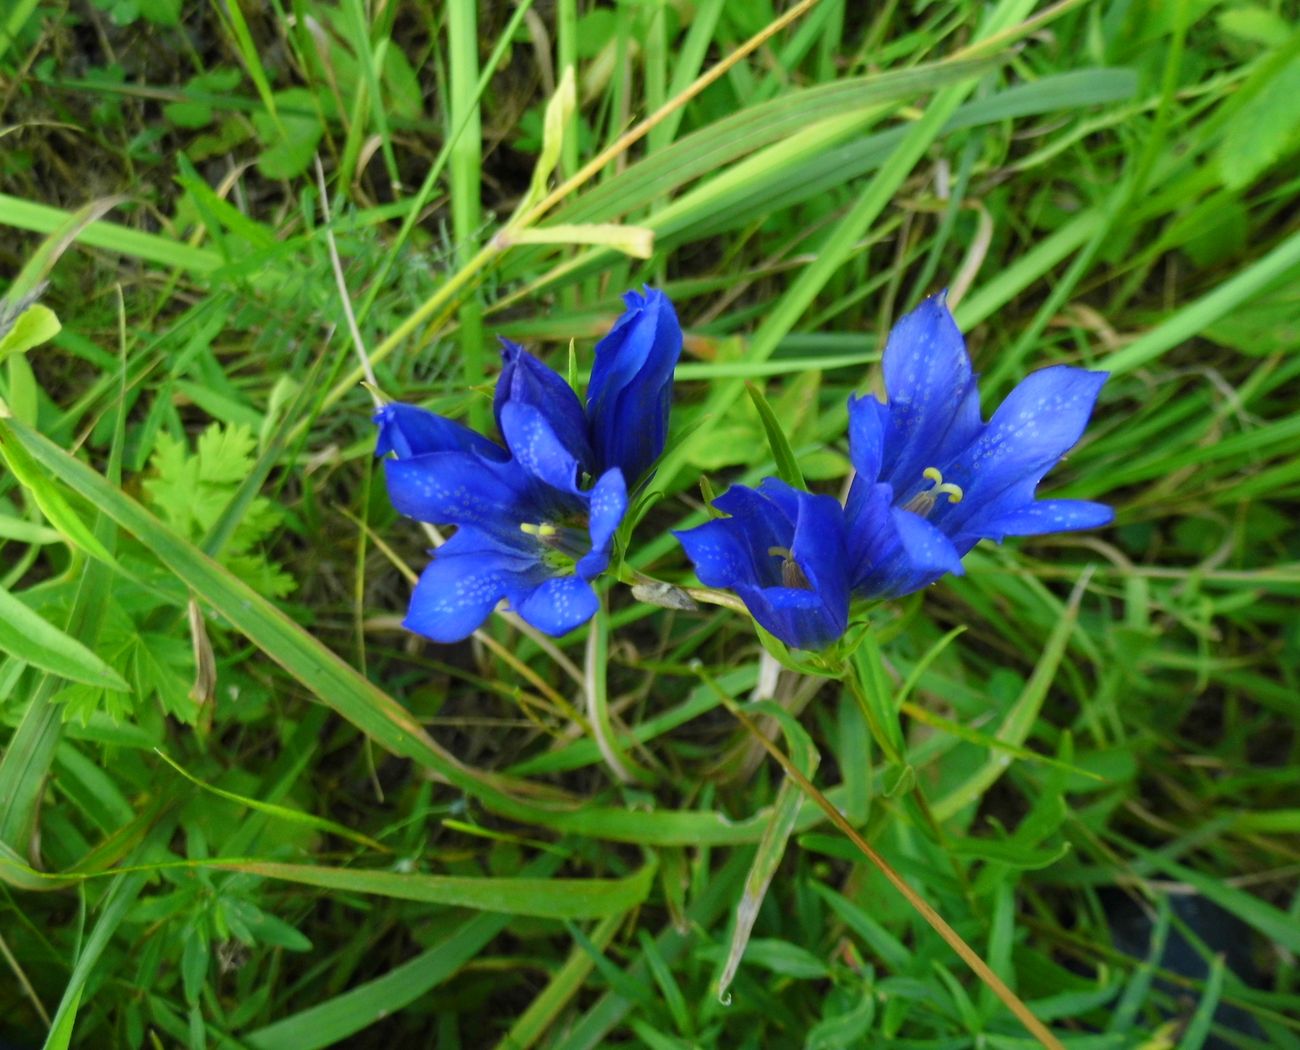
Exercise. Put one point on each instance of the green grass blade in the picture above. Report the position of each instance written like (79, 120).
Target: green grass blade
(1199, 315)
(539, 897)
(466, 177)
(292, 816)
(787, 466)
(771, 847)
(122, 895)
(711, 149)
(1020, 719)
(28, 637)
(562, 987)
(1198, 1029)
(357, 1009)
(14, 21)
(1279, 927)
(41, 218)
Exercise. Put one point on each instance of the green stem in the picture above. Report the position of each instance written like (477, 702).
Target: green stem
(466, 175)
(849, 676)
(602, 728)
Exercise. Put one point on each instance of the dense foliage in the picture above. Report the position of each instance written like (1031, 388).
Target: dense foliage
(240, 805)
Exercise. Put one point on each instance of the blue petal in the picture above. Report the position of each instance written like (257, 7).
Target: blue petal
(559, 605)
(737, 553)
(457, 488)
(895, 552)
(761, 524)
(820, 551)
(870, 536)
(408, 431)
(457, 592)
(868, 424)
(799, 618)
(719, 552)
(927, 552)
(527, 380)
(474, 539)
(608, 501)
(1050, 515)
(537, 448)
(933, 401)
(1037, 424)
(630, 392)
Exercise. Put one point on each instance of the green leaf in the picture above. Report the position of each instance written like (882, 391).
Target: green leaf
(194, 963)
(892, 952)
(334, 1020)
(846, 1029)
(225, 454)
(404, 94)
(196, 110)
(60, 1034)
(786, 464)
(1256, 24)
(267, 929)
(293, 816)
(771, 847)
(636, 241)
(12, 528)
(161, 12)
(779, 957)
(28, 637)
(51, 501)
(209, 497)
(559, 113)
(162, 665)
(543, 898)
(23, 395)
(291, 139)
(1010, 854)
(1266, 129)
(34, 326)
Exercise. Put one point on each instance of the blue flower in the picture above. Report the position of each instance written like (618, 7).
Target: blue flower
(525, 380)
(933, 478)
(630, 391)
(783, 552)
(536, 519)
(525, 530)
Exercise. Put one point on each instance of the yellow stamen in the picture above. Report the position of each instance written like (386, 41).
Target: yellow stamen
(941, 487)
(542, 531)
(923, 502)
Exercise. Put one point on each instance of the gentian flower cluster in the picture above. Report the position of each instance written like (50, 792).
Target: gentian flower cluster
(535, 520)
(536, 517)
(932, 480)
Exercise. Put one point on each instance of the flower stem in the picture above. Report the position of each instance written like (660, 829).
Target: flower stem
(887, 743)
(598, 695)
